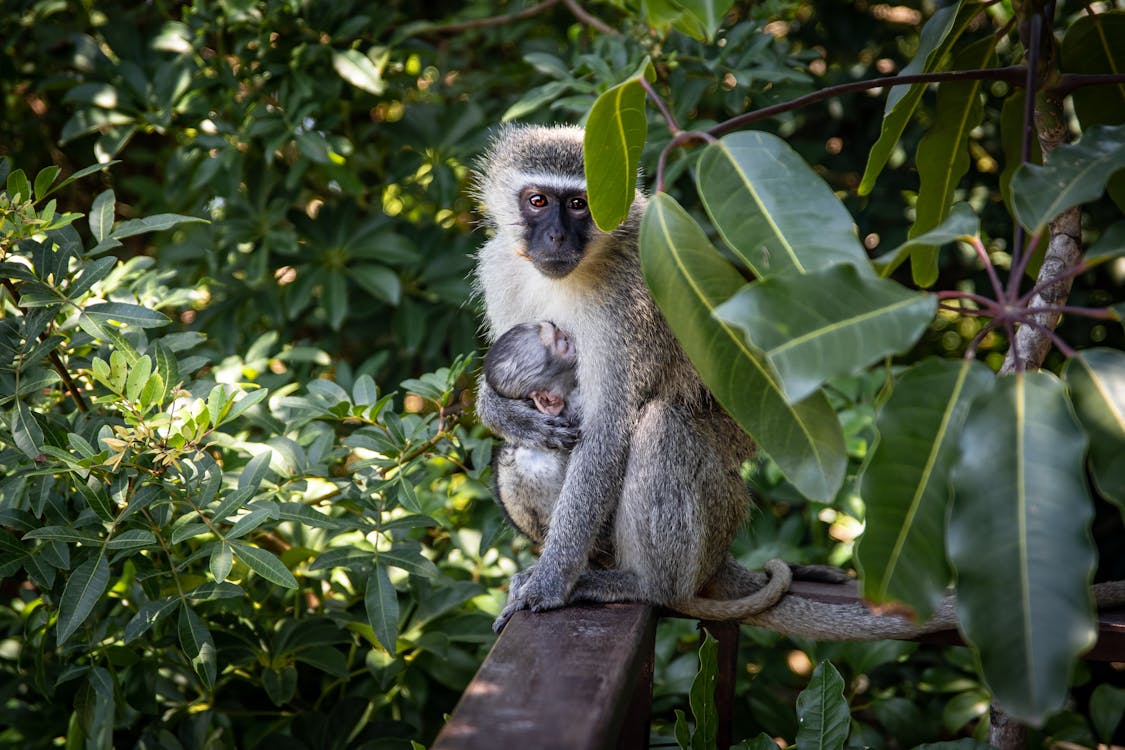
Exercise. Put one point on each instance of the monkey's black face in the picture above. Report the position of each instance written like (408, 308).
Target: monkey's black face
(557, 228)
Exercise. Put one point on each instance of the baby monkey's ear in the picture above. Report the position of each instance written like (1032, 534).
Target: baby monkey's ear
(547, 402)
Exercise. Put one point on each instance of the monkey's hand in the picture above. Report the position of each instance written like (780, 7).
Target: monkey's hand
(531, 589)
(518, 421)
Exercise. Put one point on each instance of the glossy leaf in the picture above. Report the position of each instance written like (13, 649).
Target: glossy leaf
(381, 603)
(1074, 174)
(221, 561)
(1096, 378)
(84, 587)
(708, 13)
(943, 154)
(43, 181)
(823, 716)
(905, 483)
(815, 326)
(154, 223)
(701, 697)
(689, 279)
(264, 564)
(616, 129)
(1021, 525)
(357, 69)
(129, 314)
(760, 194)
(196, 641)
(1109, 246)
(938, 36)
(1092, 45)
(102, 214)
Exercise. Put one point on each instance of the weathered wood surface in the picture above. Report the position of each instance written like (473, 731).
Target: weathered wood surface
(573, 678)
(581, 677)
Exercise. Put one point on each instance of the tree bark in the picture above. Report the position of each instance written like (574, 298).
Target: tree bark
(1064, 251)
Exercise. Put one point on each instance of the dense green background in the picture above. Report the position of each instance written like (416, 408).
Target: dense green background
(330, 144)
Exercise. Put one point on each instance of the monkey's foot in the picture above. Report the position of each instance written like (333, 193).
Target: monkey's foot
(531, 589)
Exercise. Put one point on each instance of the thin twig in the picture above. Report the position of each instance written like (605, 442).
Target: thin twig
(1099, 313)
(481, 23)
(1069, 82)
(1013, 74)
(590, 20)
(997, 287)
(53, 356)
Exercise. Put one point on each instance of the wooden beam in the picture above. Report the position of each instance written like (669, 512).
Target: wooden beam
(559, 680)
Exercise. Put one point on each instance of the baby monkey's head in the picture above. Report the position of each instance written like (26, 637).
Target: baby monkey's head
(535, 361)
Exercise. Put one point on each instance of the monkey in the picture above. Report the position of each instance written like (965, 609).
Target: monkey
(657, 468)
(653, 464)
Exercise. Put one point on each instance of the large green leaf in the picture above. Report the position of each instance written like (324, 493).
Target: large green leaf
(708, 13)
(154, 223)
(1088, 48)
(1019, 540)
(905, 483)
(84, 587)
(125, 312)
(689, 279)
(938, 36)
(357, 69)
(198, 645)
(761, 194)
(822, 711)
(943, 154)
(1074, 174)
(264, 564)
(381, 603)
(1097, 388)
(615, 134)
(701, 696)
(834, 321)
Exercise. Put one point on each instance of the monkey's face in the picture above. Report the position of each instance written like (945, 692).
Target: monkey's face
(557, 228)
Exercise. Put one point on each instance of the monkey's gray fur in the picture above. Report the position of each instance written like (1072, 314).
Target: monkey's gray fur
(657, 467)
(656, 471)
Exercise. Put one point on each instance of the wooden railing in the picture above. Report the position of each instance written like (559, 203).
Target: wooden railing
(581, 677)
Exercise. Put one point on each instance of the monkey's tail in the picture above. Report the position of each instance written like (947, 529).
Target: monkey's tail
(796, 616)
(766, 596)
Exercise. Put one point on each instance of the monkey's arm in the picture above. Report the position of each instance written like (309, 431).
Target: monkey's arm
(589, 495)
(518, 421)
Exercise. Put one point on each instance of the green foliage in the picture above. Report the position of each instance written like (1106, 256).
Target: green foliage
(1020, 483)
(901, 555)
(616, 124)
(822, 712)
(814, 314)
(192, 543)
(689, 279)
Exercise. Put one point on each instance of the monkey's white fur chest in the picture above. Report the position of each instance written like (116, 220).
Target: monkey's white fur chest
(516, 292)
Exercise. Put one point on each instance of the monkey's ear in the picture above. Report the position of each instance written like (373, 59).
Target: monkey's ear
(547, 402)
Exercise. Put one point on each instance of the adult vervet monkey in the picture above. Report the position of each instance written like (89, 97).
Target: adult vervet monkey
(657, 467)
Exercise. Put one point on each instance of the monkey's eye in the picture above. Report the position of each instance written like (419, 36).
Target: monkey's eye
(537, 200)
(576, 204)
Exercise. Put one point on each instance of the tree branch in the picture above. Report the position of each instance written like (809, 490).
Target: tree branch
(1013, 74)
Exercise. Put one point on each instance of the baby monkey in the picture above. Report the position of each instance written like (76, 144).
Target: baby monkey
(533, 361)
